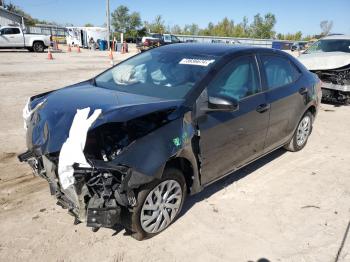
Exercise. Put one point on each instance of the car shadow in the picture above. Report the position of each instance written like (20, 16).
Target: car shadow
(230, 179)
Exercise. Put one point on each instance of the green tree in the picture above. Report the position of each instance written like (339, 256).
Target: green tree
(293, 37)
(120, 18)
(192, 29)
(88, 25)
(134, 24)
(123, 21)
(157, 26)
(298, 35)
(176, 29)
(262, 27)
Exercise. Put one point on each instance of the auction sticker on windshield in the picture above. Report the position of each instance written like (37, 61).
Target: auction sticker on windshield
(197, 62)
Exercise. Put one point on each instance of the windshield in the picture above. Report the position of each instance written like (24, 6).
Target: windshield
(157, 73)
(330, 45)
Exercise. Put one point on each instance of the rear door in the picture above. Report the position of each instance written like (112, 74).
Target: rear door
(230, 139)
(284, 92)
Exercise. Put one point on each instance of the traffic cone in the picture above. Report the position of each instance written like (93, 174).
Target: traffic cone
(110, 55)
(69, 49)
(78, 50)
(49, 55)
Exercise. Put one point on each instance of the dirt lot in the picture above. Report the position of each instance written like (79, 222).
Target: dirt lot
(285, 207)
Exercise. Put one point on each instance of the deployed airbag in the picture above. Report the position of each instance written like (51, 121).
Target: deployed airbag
(72, 149)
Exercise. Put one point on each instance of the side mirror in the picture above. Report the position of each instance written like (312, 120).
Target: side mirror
(222, 104)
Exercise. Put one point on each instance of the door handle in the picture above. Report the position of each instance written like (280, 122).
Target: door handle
(303, 91)
(263, 108)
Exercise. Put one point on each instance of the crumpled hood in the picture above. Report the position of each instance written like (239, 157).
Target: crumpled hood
(49, 126)
(325, 60)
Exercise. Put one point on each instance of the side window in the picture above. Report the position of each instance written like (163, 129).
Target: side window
(238, 79)
(15, 31)
(174, 39)
(6, 31)
(279, 71)
(10, 31)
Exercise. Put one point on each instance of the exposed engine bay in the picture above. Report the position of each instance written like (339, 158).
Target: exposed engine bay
(107, 141)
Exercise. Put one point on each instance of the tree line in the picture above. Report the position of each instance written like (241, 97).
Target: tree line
(123, 20)
(262, 26)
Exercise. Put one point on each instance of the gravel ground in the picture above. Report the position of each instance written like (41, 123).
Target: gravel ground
(284, 207)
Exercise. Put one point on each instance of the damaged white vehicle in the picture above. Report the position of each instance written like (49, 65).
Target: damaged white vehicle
(329, 58)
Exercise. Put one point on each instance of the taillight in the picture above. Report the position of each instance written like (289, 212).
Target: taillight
(146, 42)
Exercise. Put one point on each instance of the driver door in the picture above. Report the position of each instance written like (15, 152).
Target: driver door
(11, 37)
(231, 139)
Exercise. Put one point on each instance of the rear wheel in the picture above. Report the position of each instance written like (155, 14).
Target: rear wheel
(301, 134)
(159, 204)
(38, 47)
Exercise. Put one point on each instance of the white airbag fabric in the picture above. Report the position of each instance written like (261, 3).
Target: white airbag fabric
(72, 149)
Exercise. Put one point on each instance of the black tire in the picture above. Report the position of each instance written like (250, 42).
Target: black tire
(169, 174)
(38, 47)
(295, 144)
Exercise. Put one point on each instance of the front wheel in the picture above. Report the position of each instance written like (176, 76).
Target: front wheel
(301, 134)
(159, 204)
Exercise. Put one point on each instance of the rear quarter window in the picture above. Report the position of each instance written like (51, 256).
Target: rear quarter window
(279, 71)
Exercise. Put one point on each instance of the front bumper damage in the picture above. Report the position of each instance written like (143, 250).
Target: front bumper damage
(99, 196)
(335, 84)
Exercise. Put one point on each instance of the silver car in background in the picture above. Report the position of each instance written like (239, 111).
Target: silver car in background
(329, 58)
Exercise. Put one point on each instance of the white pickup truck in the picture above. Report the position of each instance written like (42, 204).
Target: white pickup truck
(13, 37)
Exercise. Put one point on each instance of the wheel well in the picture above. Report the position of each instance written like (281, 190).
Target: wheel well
(312, 109)
(186, 168)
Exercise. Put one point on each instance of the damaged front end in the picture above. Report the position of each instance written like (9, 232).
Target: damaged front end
(98, 196)
(336, 84)
(96, 160)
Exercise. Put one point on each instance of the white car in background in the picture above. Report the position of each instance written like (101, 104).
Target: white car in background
(14, 37)
(329, 58)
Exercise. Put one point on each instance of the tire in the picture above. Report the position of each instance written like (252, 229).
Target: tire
(301, 133)
(38, 47)
(172, 184)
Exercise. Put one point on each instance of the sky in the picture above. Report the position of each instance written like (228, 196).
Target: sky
(291, 15)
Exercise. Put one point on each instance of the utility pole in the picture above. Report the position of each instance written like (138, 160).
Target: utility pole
(108, 23)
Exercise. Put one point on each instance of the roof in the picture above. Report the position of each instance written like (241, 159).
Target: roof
(337, 37)
(209, 49)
